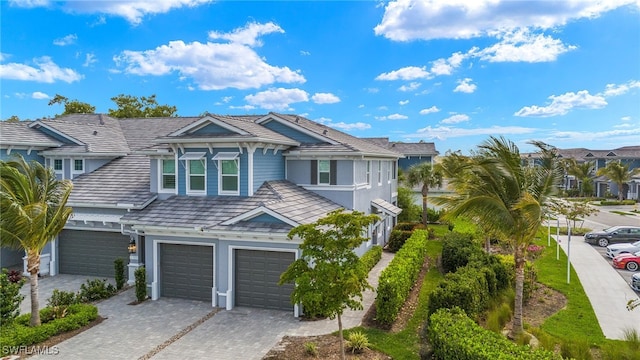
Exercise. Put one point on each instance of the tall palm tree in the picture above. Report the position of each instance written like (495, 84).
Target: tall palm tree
(494, 187)
(582, 172)
(33, 206)
(426, 176)
(619, 174)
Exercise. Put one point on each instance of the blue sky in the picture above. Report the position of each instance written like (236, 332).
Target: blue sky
(450, 72)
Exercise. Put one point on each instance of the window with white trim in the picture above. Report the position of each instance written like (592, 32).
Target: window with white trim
(369, 172)
(77, 167)
(196, 176)
(389, 167)
(324, 172)
(57, 165)
(229, 177)
(168, 174)
(379, 172)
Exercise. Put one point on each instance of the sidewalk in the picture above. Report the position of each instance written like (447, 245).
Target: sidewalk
(608, 292)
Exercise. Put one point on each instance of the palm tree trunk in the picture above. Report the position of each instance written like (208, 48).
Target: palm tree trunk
(342, 355)
(424, 206)
(620, 194)
(33, 267)
(517, 309)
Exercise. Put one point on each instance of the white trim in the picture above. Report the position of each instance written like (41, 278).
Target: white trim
(226, 156)
(57, 172)
(257, 212)
(227, 192)
(192, 156)
(75, 172)
(299, 128)
(155, 263)
(329, 187)
(231, 295)
(161, 189)
(199, 124)
(251, 149)
(53, 130)
(318, 172)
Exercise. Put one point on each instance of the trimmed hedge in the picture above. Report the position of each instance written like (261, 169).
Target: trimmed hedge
(21, 334)
(405, 226)
(397, 238)
(453, 335)
(617, 202)
(457, 250)
(466, 288)
(371, 258)
(398, 278)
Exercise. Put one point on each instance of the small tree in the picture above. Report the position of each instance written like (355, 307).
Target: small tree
(118, 267)
(573, 211)
(140, 107)
(72, 106)
(141, 284)
(329, 274)
(425, 176)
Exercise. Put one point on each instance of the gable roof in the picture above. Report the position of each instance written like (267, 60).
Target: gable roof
(226, 213)
(21, 134)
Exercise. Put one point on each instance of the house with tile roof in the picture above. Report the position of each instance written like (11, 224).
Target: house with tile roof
(204, 203)
(627, 155)
(412, 153)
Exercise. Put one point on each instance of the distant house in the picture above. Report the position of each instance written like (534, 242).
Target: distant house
(412, 153)
(627, 155)
(205, 203)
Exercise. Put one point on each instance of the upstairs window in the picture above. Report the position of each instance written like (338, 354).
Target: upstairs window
(168, 175)
(368, 172)
(379, 172)
(57, 165)
(196, 175)
(228, 173)
(78, 165)
(324, 172)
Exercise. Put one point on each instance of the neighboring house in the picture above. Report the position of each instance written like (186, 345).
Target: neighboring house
(627, 155)
(206, 202)
(412, 153)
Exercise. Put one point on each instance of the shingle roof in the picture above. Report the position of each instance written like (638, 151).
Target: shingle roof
(408, 149)
(19, 133)
(283, 197)
(140, 133)
(357, 145)
(122, 181)
(625, 152)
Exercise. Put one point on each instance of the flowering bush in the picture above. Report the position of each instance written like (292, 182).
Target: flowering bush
(534, 251)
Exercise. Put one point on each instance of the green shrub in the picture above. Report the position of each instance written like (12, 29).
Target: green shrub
(19, 333)
(10, 297)
(466, 289)
(357, 341)
(371, 258)
(62, 298)
(498, 318)
(457, 250)
(453, 335)
(311, 349)
(141, 284)
(118, 265)
(617, 202)
(398, 278)
(405, 226)
(96, 289)
(397, 239)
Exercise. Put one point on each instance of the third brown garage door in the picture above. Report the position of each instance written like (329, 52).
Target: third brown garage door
(257, 274)
(91, 252)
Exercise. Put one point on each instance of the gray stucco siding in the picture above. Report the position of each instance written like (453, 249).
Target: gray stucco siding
(10, 257)
(94, 164)
(291, 133)
(299, 171)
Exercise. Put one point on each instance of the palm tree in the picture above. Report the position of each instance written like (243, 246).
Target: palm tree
(426, 176)
(33, 206)
(582, 172)
(619, 174)
(494, 187)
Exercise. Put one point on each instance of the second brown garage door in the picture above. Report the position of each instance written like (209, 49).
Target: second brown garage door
(257, 274)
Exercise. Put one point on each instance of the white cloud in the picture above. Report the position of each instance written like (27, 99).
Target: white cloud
(403, 102)
(304, 53)
(410, 87)
(45, 71)
(212, 66)
(342, 125)
(90, 58)
(446, 66)
(431, 110)
(406, 20)
(562, 104)
(29, 3)
(248, 35)
(455, 119)
(383, 108)
(132, 10)
(277, 99)
(614, 137)
(523, 46)
(20, 95)
(465, 86)
(445, 132)
(406, 73)
(361, 106)
(325, 98)
(66, 40)
(615, 90)
(372, 90)
(39, 95)
(395, 116)
(626, 118)
(243, 107)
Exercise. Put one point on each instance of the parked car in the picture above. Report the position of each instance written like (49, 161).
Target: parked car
(614, 234)
(617, 249)
(635, 282)
(627, 261)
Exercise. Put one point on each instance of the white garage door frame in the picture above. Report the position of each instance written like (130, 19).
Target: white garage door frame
(155, 284)
(232, 251)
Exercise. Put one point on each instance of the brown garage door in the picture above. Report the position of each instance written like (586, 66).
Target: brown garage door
(186, 271)
(256, 279)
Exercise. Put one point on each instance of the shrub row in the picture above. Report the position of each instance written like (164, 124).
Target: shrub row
(19, 333)
(371, 258)
(10, 297)
(453, 335)
(457, 250)
(397, 238)
(398, 278)
(618, 202)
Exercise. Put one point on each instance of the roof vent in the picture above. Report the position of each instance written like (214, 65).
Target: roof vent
(324, 132)
(95, 132)
(297, 119)
(101, 120)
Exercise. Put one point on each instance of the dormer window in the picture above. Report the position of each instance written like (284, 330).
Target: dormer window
(58, 168)
(324, 172)
(196, 166)
(78, 167)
